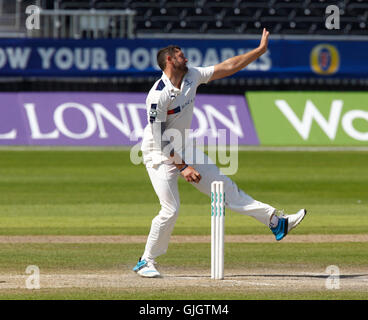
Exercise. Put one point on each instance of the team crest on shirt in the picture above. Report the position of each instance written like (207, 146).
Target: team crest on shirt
(174, 93)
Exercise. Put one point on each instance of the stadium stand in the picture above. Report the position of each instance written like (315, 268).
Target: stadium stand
(236, 17)
(233, 17)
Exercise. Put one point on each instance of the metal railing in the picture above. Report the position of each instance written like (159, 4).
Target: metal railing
(85, 24)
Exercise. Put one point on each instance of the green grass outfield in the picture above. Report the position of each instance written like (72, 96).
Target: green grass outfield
(75, 192)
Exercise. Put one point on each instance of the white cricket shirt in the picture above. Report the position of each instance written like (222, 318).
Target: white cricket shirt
(174, 106)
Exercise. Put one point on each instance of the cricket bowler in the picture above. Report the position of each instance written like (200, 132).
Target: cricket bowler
(168, 154)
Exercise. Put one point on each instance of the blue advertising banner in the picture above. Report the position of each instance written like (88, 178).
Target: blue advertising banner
(123, 57)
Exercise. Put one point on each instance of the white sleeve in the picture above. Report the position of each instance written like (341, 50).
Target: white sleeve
(158, 105)
(204, 74)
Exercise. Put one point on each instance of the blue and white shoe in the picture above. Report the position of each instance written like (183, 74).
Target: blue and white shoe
(146, 269)
(287, 223)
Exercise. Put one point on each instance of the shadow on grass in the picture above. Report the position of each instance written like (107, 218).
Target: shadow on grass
(317, 276)
(313, 276)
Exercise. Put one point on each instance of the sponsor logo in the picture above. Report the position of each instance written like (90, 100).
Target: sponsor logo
(325, 59)
(109, 119)
(310, 118)
(330, 125)
(187, 82)
(153, 113)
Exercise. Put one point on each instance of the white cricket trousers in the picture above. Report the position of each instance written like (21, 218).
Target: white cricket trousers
(164, 179)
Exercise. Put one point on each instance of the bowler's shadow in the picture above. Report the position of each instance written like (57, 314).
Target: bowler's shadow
(311, 276)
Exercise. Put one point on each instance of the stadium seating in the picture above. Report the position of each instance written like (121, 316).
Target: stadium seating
(235, 17)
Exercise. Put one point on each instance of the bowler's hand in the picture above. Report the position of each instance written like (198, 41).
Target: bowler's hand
(191, 175)
(264, 41)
